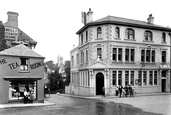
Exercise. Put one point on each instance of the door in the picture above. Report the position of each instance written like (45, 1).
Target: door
(163, 85)
(99, 83)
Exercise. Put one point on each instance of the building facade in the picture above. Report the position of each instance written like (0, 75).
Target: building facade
(116, 51)
(21, 68)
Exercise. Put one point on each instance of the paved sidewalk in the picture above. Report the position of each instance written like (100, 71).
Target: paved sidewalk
(19, 105)
(100, 97)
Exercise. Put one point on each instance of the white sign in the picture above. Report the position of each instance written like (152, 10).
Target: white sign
(11, 33)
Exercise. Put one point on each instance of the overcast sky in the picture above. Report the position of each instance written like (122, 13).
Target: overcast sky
(54, 23)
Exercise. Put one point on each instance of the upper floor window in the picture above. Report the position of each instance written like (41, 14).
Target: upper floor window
(86, 56)
(81, 39)
(82, 57)
(72, 59)
(117, 31)
(163, 37)
(99, 32)
(163, 56)
(86, 36)
(77, 59)
(129, 34)
(148, 56)
(129, 55)
(148, 36)
(99, 52)
(117, 54)
(24, 64)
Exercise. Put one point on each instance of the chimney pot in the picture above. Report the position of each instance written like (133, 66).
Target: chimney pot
(150, 19)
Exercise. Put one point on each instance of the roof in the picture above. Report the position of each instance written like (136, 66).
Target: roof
(123, 21)
(20, 50)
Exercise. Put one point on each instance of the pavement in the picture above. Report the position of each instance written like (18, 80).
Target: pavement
(47, 103)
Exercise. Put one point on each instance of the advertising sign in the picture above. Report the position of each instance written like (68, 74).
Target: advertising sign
(11, 33)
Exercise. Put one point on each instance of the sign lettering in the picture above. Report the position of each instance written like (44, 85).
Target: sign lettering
(13, 65)
(3, 61)
(36, 65)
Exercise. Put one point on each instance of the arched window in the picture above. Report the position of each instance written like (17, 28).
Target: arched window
(117, 31)
(86, 56)
(86, 36)
(129, 34)
(99, 32)
(163, 37)
(148, 36)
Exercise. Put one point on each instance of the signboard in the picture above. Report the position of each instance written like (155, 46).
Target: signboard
(11, 33)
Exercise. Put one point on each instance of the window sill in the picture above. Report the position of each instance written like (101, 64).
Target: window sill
(117, 38)
(130, 39)
(164, 42)
(99, 39)
(148, 41)
(119, 62)
(22, 71)
(129, 62)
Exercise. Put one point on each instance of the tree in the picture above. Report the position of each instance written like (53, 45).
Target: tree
(67, 68)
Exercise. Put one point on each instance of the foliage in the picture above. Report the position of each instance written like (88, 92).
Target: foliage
(67, 72)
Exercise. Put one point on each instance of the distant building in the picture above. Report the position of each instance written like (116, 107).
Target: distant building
(14, 35)
(60, 62)
(116, 51)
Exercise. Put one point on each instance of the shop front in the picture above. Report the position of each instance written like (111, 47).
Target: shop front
(23, 69)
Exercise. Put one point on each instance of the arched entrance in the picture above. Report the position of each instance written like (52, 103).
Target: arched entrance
(99, 83)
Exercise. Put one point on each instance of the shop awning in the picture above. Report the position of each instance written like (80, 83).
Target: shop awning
(23, 77)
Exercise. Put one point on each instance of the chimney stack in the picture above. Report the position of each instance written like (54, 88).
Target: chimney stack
(13, 19)
(150, 19)
(89, 16)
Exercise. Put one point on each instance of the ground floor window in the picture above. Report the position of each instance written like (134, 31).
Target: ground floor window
(120, 78)
(16, 89)
(132, 78)
(155, 77)
(114, 78)
(126, 78)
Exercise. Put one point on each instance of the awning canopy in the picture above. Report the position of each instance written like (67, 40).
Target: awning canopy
(23, 77)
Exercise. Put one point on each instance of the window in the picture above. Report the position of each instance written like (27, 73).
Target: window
(99, 32)
(144, 77)
(24, 64)
(163, 37)
(86, 56)
(126, 78)
(114, 78)
(82, 57)
(119, 77)
(86, 36)
(132, 78)
(72, 58)
(150, 77)
(99, 52)
(155, 77)
(153, 56)
(117, 31)
(163, 56)
(114, 54)
(129, 55)
(148, 56)
(129, 34)
(117, 54)
(81, 39)
(148, 36)
(140, 78)
(77, 59)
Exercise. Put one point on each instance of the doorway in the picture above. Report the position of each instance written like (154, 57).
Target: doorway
(99, 83)
(163, 85)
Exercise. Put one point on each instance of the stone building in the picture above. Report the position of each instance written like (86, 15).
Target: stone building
(116, 51)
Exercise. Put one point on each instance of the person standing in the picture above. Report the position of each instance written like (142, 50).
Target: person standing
(103, 92)
(120, 90)
(25, 96)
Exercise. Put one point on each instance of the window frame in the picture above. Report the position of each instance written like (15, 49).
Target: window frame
(99, 32)
(148, 36)
(129, 34)
(117, 32)
(24, 63)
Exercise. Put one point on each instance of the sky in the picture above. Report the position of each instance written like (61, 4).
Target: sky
(54, 23)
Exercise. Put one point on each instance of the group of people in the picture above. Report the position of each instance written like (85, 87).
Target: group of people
(125, 91)
(28, 96)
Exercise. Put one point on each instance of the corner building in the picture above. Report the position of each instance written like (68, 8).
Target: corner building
(116, 51)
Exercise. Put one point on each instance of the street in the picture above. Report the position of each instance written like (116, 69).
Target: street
(140, 105)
